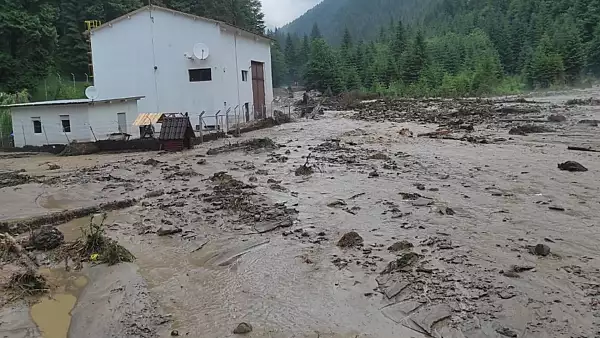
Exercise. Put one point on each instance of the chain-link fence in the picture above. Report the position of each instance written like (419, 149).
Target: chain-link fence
(65, 129)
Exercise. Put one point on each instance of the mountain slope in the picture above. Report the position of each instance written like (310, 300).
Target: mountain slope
(363, 18)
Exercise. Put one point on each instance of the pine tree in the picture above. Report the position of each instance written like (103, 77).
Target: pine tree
(399, 42)
(278, 65)
(291, 58)
(316, 32)
(546, 67)
(593, 53)
(415, 60)
(324, 70)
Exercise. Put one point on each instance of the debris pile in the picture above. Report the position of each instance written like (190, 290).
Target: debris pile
(529, 129)
(255, 144)
(14, 178)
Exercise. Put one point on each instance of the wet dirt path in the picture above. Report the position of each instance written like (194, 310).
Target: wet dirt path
(470, 210)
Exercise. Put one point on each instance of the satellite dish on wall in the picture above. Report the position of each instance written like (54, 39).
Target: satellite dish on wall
(91, 93)
(201, 51)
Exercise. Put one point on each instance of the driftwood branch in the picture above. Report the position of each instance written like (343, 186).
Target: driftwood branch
(584, 149)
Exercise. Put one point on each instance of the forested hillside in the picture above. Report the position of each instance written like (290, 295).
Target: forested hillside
(45, 37)
(456, 47)
(363, 18)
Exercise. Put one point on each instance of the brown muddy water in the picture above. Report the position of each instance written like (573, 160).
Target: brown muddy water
(470, 210)
(52, 313)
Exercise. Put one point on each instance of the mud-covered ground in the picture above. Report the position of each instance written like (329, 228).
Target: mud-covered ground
(449, 207)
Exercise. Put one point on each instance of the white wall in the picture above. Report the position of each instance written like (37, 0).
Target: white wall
(123, 62)
(125, 54)
(52, 132)
(103, 118)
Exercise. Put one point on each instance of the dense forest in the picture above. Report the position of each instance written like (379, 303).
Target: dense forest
(362, 18)
(39, 38)
(453, 47)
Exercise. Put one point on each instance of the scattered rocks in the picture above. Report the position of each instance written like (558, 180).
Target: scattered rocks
(379, 156)
(400, 246)
(46, 238)
(350, 239)
(403, 263)
(572, 166)
(249, 145)
(583, 102)
(167, 230)
(242, 328)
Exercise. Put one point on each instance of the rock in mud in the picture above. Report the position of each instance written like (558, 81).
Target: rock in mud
(373, 174)
(350, 239)
(52, 166)
(152, 162)
(507, 332)
(557, 118)
(304, 170)
(175, 333)
(46, 238)
(403, 263)
(400, 246)
(167, 230)
(540, 250)
(572, 166)
(336, 204)
(201, 162)
(379, 156)
(243, 328)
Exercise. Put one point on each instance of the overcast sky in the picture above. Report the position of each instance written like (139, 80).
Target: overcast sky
(280, 12)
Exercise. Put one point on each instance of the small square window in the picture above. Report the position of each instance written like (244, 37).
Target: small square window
(66, 123)
(200, 75)
(37, 125)
(245, 75)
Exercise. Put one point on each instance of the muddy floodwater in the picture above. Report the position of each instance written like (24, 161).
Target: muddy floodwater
(466, 225)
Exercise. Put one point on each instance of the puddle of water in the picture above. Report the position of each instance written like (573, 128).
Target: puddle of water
(52, 314)
(54, 202)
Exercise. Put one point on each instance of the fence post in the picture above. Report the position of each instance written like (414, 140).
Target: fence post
(23, 128)
(200, 120)
(94, 134)
(46, 135)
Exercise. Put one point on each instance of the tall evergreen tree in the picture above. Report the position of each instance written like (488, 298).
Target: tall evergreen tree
(415, 60)
(278, 65)
(316, 32)
(399, 42)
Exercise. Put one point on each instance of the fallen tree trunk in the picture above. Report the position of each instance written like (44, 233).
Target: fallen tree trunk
(584, 149)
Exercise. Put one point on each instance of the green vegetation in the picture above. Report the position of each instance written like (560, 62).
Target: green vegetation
(94, 245)
(444, 48)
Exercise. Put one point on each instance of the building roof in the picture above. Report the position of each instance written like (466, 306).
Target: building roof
(69, 102)
(145, 119)
(194, 17)
(176, 128)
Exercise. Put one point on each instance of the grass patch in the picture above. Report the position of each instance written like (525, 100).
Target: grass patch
(95, 246)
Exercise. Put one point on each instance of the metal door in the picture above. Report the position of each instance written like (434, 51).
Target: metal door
(258, 88)
(122, 122)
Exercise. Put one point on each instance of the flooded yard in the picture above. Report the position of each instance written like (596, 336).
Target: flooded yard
(466, 228)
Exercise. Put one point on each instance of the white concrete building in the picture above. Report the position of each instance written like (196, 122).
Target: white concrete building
(150, 53)
(64, 121)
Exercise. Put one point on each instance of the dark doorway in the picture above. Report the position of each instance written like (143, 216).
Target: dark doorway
(247, 111)
(258, 89)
